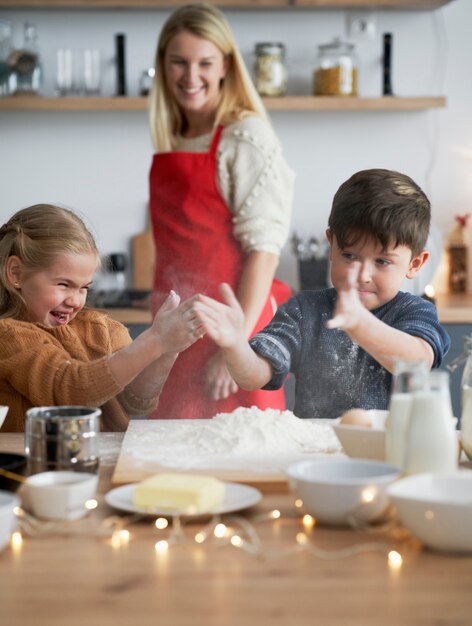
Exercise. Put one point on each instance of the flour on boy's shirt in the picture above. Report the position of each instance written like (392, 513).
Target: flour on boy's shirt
(333, 374)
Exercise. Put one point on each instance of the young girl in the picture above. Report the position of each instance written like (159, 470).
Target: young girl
(53, 351)
(220, 198)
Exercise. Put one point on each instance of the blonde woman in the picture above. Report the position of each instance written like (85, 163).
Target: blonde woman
(220, 199)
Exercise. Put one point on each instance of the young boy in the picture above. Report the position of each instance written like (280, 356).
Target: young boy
(341, 343)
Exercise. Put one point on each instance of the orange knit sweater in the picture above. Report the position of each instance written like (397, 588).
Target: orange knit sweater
(65, 365)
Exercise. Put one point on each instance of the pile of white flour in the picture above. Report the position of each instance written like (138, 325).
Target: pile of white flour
(246, 439)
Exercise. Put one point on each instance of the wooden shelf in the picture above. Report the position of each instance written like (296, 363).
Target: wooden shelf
(286, 103)
(245, 4)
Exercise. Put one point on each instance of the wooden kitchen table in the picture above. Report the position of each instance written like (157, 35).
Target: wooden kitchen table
(84, 580)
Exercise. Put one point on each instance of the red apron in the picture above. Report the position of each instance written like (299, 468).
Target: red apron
(196, 252)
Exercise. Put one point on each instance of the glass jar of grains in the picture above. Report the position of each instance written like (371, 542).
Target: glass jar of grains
(336, 72)
(269, 69)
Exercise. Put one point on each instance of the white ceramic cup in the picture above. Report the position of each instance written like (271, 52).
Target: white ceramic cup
(60, 495)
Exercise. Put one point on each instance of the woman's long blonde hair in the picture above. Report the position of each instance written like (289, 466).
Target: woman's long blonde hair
(37, 235)
(239, 97)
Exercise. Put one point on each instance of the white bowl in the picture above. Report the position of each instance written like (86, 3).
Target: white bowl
(366, 443)
(60, 495)
(437, 508)
(8, 502)
(335, 490)
(3, 414)
(361, 442)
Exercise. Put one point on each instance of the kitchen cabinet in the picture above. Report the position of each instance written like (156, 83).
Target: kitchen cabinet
(246, 4)
(285, 103)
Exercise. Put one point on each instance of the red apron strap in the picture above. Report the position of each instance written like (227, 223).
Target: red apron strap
(215, 141)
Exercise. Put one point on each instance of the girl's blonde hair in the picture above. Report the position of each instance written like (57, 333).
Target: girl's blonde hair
(37, 235)
(239, 97)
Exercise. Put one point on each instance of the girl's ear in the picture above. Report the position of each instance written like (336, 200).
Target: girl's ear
(416, 263)
(14, 270)
(329, 235)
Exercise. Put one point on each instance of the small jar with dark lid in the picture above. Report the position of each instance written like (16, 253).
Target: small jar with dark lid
(336, 72)
(270, 70)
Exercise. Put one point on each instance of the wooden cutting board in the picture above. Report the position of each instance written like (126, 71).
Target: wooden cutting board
(144, 257)
(134, 465)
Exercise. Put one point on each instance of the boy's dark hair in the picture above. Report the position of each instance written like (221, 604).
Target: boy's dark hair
(383, 205)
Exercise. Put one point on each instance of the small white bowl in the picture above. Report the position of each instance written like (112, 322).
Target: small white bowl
(437, 508)
(8, 502)
(366, 443)
(3, 414)
(361, 442)
(60, 495)
(335, 490)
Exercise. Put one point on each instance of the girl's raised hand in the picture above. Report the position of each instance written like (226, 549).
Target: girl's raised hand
(223, 322)
(176, 325)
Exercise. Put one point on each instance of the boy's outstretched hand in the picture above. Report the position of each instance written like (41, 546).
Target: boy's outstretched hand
(223, 322)
(349, 308)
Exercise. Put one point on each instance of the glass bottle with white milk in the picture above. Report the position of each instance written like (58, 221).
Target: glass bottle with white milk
(407, 377)
(466, 387)
(431, 441)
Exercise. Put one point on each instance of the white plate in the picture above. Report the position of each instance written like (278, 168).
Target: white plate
(237, 497)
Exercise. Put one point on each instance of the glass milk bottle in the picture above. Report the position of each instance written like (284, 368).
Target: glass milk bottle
(431, 442)
(407, 376)
(466, 387)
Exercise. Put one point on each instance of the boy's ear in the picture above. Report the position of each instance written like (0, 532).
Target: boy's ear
(416, 263)
(329, 237)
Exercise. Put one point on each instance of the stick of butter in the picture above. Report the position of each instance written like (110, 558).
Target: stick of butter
(190, 493)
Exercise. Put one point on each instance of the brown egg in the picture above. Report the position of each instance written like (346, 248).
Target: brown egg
(356, 417)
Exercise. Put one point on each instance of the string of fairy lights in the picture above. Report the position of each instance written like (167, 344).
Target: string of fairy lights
(235, 531)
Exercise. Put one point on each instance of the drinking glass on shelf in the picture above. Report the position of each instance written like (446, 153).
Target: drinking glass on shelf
(92, 71)
(65, 72)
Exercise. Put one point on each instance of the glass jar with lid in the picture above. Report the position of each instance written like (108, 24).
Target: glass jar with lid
(336, 72)
(270, 70)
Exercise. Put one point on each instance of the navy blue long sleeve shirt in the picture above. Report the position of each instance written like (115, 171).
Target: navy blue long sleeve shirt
(333, 374)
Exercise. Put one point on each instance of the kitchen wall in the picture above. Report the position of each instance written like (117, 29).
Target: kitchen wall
(97, 162)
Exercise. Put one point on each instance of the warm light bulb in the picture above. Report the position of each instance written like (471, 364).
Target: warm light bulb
(91, 504)
(308, 521)
(200, 537)
(16, 540)
(161, 546)
(395, 559)
(220, 531)
(236, 541)
(124, 536)
(275, 514)
(161, 523)
(298, 503)
(301, 539)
